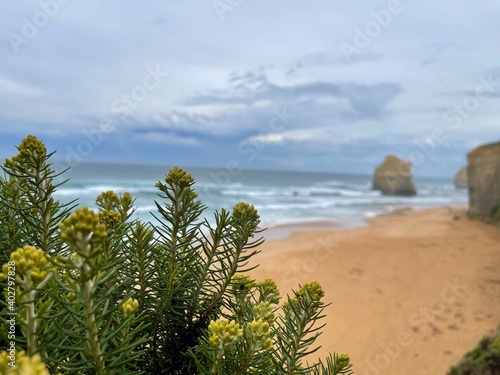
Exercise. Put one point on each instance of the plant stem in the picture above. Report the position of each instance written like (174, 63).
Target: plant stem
(218, 360)
(31, 322)
(245, 365)
(301, 322)
(92, 330)
(42, 184)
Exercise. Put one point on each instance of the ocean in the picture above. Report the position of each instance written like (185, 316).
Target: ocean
(282, 198)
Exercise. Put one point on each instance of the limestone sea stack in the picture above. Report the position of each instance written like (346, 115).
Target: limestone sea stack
(460, 180)
(394, 177)
(483, 171)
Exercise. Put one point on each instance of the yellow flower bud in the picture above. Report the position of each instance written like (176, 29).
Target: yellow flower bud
(260, 333)
(30, 264)
(82, 225)
(313, 290)
(225, 331)
(30, 148)
(129, 306)
(179, 177)
(343, 360)
(242, 283)
(245, 213)
(269, 291)
(267, 344)
(264, 311)
(109, 218)
(71, 296)
(24, 365)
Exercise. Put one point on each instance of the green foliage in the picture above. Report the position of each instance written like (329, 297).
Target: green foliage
(482, 360)
(29, 212)
(495, 214)
(102, 293)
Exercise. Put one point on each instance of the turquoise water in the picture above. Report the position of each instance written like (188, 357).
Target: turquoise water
(282, 198)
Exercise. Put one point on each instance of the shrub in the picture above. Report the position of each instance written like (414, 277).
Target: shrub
(91, 292)
(495, 214)
(482, 360)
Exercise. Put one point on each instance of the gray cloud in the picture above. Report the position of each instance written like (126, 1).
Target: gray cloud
(326, 58)
(250, 88)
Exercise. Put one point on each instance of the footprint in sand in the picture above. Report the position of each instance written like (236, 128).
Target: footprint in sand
(435, 330)
(490, 287)
(453, 327)
(478, 316)
(356, 271)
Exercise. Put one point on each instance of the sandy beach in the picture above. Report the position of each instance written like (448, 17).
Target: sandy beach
(410, 293)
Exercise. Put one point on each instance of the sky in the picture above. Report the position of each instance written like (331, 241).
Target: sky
(330, 86)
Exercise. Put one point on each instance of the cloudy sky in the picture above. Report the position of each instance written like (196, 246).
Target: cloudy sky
(328, 86)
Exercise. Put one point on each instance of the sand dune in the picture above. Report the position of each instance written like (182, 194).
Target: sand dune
(410, 294)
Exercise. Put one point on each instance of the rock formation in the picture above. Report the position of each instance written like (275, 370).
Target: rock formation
(394, 177)
(460, 180)
(483, 173)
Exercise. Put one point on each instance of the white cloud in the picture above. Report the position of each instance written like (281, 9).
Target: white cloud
(167, 138)
(290, 136)
(10, 87)
(268, 138)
